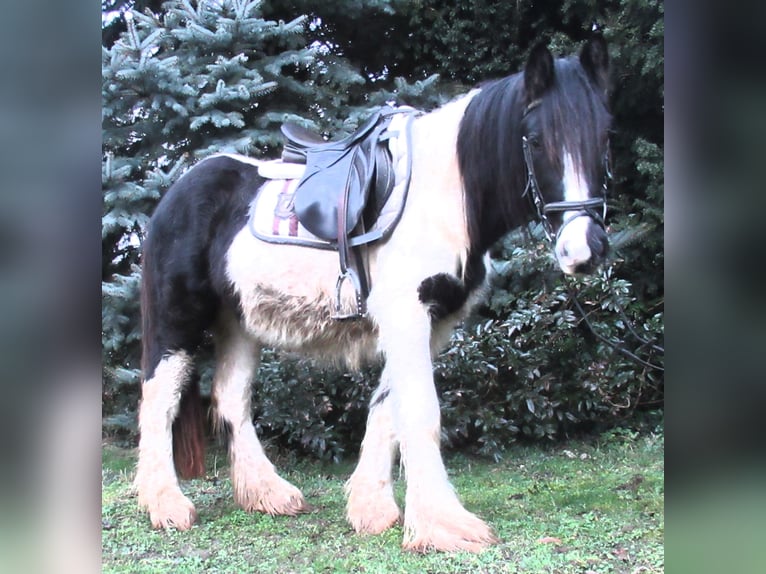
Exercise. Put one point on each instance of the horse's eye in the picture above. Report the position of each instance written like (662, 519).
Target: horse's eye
(535, 142)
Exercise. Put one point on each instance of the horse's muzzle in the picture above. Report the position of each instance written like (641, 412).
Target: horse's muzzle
(583, 247)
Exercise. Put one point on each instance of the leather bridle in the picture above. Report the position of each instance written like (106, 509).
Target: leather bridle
(589, 207)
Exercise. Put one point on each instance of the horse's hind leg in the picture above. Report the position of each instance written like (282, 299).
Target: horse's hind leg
(156, 480)
(257, 486)
(371, 506)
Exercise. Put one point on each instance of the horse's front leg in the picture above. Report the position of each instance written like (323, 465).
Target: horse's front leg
(434, 518)
(371, 506)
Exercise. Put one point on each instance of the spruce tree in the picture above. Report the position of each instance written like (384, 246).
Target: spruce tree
(196, 79)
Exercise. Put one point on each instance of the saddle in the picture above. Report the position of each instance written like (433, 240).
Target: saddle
(345, 185)
(343, 178)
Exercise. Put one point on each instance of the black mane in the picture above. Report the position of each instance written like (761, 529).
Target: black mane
(573, 113)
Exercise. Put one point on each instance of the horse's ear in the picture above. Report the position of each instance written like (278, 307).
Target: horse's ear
(538, 73)
(594, 58)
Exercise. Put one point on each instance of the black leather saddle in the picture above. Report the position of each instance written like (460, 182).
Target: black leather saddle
(344, 179)
(342, 191)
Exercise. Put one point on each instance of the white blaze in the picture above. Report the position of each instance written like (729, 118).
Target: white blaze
(572, 244)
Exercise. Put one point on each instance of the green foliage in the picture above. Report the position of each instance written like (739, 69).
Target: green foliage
(532, 369)
(316, 410)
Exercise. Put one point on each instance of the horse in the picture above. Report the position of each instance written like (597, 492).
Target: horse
(528, 146)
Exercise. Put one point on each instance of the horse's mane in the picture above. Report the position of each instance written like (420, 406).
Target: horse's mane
(491, 161)
(573, 115)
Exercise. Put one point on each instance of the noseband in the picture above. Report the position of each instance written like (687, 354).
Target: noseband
(588, 207)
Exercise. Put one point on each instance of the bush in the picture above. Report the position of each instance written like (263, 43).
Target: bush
(317, 410)
(531, 368)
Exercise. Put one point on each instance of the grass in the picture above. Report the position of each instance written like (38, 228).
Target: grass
(582, 507)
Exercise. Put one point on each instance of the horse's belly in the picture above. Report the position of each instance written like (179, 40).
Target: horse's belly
(307, 326)
(286, 297)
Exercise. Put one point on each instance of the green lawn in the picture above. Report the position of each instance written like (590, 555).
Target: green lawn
(579, 507)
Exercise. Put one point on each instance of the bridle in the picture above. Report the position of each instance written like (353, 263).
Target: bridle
(589, 207)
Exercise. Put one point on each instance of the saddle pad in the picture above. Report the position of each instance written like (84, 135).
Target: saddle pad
(277, 169)
(272, 213)
(273, 219)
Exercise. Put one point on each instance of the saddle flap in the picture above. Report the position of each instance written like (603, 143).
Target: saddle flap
(330, 179)
(381, 202)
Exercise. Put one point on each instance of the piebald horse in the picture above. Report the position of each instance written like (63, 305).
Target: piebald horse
(531, 145)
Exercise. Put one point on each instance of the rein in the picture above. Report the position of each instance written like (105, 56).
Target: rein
(617, 345)
(595, 208)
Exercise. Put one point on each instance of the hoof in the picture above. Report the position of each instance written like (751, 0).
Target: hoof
(372, 514)
(448, 533)
(274, 496)
(170, 510)
(371, 507)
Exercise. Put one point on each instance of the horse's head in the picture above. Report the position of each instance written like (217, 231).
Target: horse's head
(565, 130)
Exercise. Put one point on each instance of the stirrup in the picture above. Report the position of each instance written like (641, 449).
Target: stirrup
(361, 305)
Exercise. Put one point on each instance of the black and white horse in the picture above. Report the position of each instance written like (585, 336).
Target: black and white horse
(529, 145)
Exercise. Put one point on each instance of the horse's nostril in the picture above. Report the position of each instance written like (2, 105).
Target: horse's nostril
(598, 243)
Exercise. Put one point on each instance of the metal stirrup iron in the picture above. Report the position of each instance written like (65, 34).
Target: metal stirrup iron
(361, 304)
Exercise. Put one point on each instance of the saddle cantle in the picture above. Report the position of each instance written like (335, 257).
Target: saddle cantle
(344, 194)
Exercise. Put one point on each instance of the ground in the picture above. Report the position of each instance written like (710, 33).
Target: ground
(589, 506)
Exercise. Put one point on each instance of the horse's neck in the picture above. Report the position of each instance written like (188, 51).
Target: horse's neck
(435, 202)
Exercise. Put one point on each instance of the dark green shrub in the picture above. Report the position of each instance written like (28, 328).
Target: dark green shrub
(533, 369)
(310, 408)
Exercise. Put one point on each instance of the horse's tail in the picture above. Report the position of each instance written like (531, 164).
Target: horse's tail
(189, 425)
(189, 433)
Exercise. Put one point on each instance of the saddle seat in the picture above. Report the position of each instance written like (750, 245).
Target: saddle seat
(298, 140)
(297, 137)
